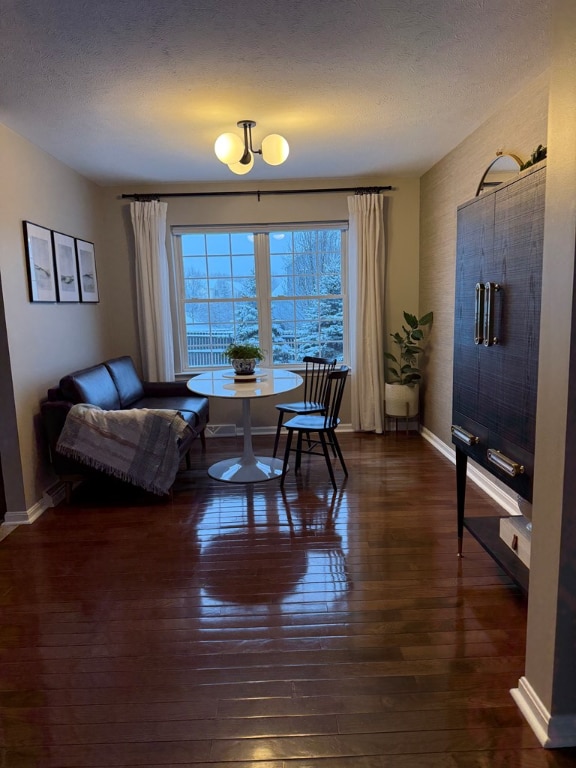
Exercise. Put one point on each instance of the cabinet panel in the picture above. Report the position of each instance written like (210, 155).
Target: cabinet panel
(475, 244)
(518, 243)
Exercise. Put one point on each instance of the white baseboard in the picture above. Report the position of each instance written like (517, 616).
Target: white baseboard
(54, 494)
(534, 711)
(50, 498)
(27, 516)
(552, 731)
(509, 504)
(231, 430)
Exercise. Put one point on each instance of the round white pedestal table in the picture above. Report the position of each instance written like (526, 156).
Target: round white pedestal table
(247, 468)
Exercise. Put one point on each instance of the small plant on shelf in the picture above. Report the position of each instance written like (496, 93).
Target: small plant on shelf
(539, 154)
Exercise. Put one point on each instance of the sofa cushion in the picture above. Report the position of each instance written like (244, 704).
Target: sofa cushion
(91, 385)
(126, 379)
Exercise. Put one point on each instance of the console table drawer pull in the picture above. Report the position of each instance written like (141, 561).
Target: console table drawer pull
(464, 436)
(510, 467)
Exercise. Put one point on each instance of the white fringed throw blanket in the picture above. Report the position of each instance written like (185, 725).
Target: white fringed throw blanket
(139, 446)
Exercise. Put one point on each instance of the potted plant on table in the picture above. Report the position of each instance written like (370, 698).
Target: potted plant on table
(244, 357)
(402, 385)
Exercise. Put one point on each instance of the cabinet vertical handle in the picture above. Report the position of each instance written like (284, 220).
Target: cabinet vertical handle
(479, 314)
(490, 289)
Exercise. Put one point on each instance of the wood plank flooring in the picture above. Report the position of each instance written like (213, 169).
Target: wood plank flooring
(241, 626)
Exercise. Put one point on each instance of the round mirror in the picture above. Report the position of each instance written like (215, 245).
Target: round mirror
(502, 169)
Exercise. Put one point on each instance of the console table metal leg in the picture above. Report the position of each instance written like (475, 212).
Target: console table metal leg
(461, 464)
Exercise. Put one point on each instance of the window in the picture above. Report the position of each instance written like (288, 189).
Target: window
(281, 288)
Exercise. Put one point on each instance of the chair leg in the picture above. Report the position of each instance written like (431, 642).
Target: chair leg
(327, 457)
(336, 446)
(203, 440)
(286, 457)
(278, 430)
(298, 461)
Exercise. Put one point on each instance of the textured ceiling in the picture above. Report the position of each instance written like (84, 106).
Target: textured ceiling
(127, 91)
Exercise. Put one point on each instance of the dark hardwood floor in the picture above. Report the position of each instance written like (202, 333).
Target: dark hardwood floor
(238, 626)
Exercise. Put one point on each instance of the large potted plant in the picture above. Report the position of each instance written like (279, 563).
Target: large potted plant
(402, 386)
(244, 357)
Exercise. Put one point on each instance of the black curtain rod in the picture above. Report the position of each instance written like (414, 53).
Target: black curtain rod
(258, 193)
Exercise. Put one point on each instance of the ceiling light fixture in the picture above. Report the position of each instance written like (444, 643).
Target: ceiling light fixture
(238, 155)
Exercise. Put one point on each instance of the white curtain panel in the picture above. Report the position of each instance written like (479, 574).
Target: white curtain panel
(153, 290)
(366, 261)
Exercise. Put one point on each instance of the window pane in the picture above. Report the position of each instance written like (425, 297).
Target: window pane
(195, 289)
(280, 242)
(194, 266)
(305, 283)
(222, 313)
(282, 311)
(219, 266)
(243, 266)
(217, 244)
(307, 310)
(283, 286)
(331, 283)
(242, 243)
(246, 321)
(197, 314)
(193, 245)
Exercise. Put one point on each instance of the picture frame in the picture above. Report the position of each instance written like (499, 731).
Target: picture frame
(40, 263)
(67, 283)
(87, 278)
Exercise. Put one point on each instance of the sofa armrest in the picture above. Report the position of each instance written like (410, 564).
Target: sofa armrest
(54, 413)
(165, 389)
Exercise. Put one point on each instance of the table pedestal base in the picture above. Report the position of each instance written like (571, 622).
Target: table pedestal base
(240, 470)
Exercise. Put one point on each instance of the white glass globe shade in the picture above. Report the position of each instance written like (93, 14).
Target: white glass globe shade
(229, 148)
(241, 169)
(275, 149)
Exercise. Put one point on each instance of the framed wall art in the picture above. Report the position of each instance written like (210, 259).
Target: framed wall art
(66, 267)
(88, 280)
(40, 262)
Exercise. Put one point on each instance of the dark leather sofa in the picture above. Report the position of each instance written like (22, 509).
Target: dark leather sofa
(111, 385)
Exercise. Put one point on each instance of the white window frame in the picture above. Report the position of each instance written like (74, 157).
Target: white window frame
(262, 268)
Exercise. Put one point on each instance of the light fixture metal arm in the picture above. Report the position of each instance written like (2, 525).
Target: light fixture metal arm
(247, 125)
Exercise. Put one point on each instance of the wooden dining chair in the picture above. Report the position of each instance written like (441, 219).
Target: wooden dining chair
(317, 368)
(322, 424)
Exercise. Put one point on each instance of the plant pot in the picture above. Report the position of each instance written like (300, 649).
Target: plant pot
(244, 366)
(401, 400)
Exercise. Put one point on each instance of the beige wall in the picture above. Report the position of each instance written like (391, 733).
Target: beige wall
(517, 128)
(40, 341)
(402, 248)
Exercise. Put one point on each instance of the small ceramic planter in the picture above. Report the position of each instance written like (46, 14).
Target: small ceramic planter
(244, 366)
